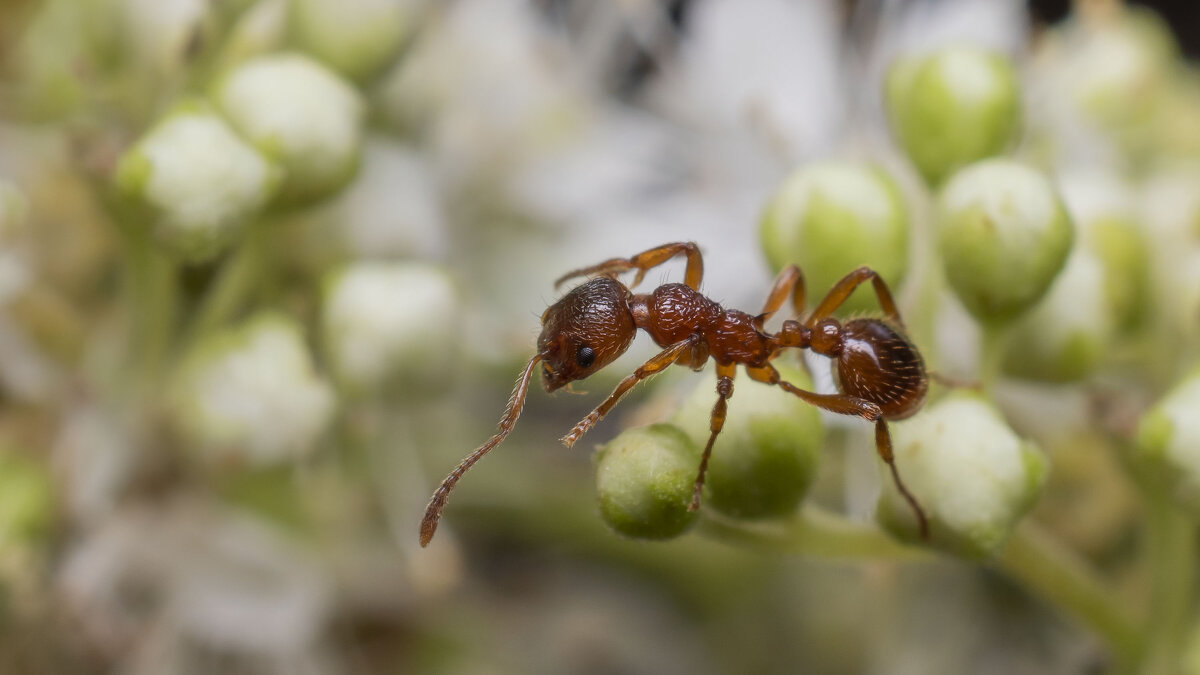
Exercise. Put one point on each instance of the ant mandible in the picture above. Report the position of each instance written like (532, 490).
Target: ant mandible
(881, 375)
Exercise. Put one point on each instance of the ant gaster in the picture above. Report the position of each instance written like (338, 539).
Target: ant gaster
(880, 374)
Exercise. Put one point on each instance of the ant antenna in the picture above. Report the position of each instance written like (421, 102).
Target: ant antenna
(433, 512)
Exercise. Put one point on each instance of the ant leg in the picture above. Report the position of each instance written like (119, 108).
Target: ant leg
(655, 365)
(845, 404)
(645, 261)
(842, 290)
(883, 445)
(716, 423)
(433, 512)
(789, 281)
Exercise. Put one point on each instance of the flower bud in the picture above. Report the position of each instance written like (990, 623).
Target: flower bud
(766, 455)
(644, 479)
(971, 473)
(357, 38)
(26, 499)
(1168, 440)
(955, 106)
(202, 182)
(1004, 235)
(251, 394)
(1103, 210)
(1066, 335)
(388, 320)
(832, 217)
(300, 114)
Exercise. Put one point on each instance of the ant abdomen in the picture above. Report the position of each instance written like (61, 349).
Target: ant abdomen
(878, 364)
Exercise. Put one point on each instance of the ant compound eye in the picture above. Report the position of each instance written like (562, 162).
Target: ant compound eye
(585, 356)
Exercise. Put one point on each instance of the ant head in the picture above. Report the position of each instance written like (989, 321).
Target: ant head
(584, 331)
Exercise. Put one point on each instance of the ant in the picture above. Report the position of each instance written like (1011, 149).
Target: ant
(880, 374)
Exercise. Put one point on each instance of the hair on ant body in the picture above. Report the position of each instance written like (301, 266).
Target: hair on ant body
(880, 374)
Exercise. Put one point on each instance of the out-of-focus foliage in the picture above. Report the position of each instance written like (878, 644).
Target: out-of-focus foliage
(268, 267)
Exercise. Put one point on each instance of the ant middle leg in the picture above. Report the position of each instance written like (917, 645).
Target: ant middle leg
(725, 375)
(844, 404)
(655, 365)
(647, 260)
(842, 290)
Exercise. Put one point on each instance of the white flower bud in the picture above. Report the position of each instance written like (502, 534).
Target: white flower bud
(252, 393)
(388, 320)
(202, 181)
(1169, 439)
(968, 469)
(357, 38)
(1065, 336)
(301, 114)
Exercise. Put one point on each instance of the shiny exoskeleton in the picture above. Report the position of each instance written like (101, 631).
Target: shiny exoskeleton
(880, 374)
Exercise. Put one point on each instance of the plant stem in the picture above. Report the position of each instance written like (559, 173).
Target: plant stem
(1172, 552)
(237, 277)
(991, 353)
(1053, 572)
(811, 532)
(150, 291)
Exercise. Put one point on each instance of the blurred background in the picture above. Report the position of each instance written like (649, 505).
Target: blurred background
(268, 269)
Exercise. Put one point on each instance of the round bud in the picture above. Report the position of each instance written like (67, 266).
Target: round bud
(357, 38)
(971, 473)
(201, 181)
(1168, 440)
(952, 107)
(389, 321)
(1065, 336)
(832, 217)
(765, 458)
(251, 394)
(1004, 235)
(644, 479)
(301, 114)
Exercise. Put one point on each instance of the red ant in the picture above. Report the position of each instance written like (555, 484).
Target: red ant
(881, 375)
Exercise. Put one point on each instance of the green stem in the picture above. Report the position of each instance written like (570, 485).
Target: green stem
(811, 532)
(991, 353)
(239, 275)
(1172, 552)
(150, 291)
(1053, 572)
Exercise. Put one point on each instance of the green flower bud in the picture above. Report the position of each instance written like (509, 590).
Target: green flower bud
(1168, 440)
(1004, 235)
(766, 455)
(832, 217)
(644, 478)
(357, 38)
(389, 320)
(1103, 210)
(302, 115)
(955, 106)
(1065, 336)
(972, 474)
(251, 394)
(26, 499)
(202, 182)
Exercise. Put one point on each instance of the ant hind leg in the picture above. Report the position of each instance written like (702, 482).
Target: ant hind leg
(841, 292)
(789, 282)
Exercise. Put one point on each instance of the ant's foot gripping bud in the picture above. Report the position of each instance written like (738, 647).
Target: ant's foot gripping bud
(974, 477)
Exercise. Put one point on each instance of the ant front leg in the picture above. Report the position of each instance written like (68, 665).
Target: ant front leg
(789, 282)
(647, 260)
(842, 290)
(844, 404)
(655, 365)
(725, 375)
